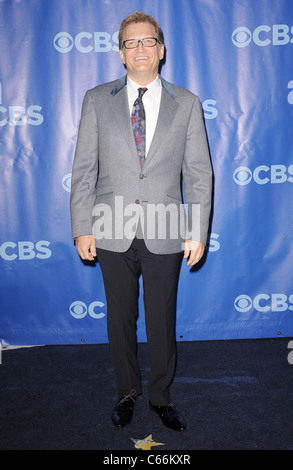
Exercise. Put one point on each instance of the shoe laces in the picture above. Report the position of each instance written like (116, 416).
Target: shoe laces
(130, 395)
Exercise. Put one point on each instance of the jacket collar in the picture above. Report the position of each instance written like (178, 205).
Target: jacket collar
(123, 80)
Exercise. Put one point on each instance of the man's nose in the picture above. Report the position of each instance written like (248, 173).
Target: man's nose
(140, 45)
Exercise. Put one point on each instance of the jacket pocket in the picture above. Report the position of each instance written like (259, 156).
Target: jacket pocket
(102, 185)
(174, 198)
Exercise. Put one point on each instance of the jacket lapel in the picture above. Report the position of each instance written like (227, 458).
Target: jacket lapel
(120, 108)
(168, 108)
(119, 104)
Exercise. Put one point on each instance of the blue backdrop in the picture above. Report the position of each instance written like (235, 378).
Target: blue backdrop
(237, 56)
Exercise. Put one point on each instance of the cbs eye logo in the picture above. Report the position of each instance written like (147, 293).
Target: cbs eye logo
(241, 37)
(243, 303)
(63, 42)
(66, 182)
(242, 175)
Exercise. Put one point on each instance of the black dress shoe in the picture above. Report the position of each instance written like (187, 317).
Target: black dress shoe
(123, 411)
(170, 416)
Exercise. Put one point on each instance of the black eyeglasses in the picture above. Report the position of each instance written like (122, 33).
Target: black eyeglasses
(146, 42)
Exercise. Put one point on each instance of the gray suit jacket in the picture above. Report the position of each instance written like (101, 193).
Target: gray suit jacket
(114, 199)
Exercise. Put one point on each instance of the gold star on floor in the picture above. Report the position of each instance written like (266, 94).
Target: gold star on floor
(146, 443)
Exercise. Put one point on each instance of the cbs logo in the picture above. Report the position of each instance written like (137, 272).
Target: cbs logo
(263, 35)
(263, 174)
(264, 302)
(79, 309)
(86, 42)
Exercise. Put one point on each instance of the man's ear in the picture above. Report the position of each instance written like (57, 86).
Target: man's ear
(122, 56)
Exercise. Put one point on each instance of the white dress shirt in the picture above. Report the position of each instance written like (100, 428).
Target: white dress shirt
(151, 101)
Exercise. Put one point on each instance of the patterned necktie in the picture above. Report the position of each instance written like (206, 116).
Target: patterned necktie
(138, 125)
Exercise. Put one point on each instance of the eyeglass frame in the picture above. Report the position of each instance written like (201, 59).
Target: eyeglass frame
(140, 41)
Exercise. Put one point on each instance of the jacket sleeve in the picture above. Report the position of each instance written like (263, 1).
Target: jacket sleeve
(84, 171)
(197, 176)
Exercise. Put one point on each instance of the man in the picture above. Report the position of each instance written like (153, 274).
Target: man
(130, 163)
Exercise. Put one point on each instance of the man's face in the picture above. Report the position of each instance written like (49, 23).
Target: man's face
(142, 63)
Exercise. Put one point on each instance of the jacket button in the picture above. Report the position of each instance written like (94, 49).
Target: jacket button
(137, 201)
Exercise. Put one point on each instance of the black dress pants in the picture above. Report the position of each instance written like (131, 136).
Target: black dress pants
(160, 275)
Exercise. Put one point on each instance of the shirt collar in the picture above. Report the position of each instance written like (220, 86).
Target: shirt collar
(154, 86)
(119, 84)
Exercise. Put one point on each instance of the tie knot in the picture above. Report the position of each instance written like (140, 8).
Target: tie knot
(141, 92)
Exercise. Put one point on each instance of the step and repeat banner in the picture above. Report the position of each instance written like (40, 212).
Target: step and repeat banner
(237, 56)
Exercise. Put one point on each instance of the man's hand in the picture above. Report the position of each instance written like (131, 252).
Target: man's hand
(86, 247)
(193, 251)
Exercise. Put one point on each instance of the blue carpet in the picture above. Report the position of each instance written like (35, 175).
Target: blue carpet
(234, 395)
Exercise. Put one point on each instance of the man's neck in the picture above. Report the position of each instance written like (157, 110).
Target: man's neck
(142, 80)
(136, 84)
